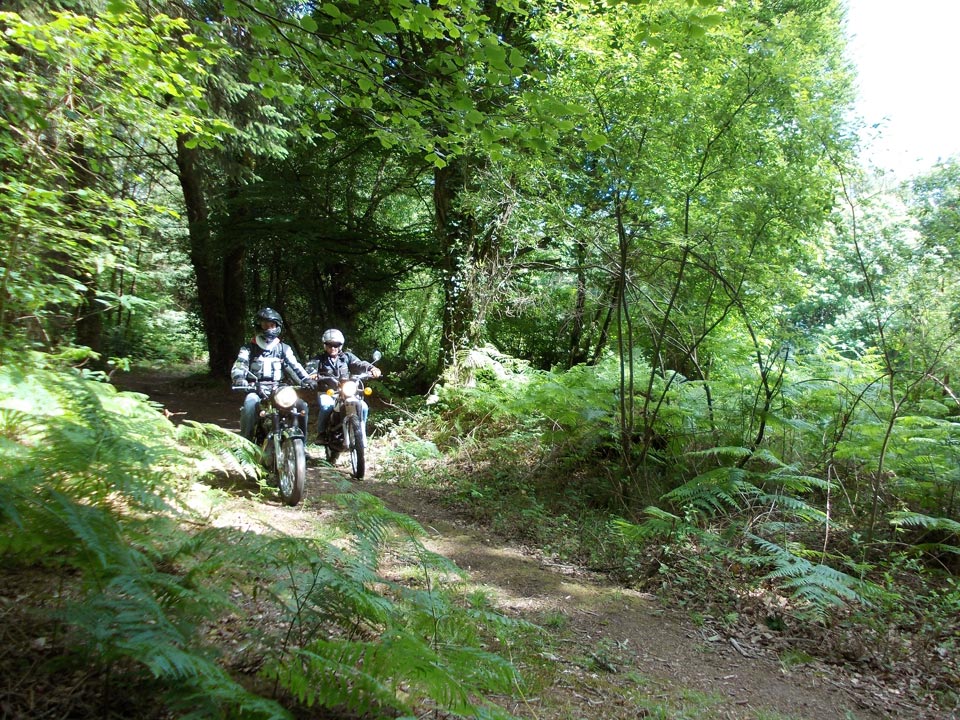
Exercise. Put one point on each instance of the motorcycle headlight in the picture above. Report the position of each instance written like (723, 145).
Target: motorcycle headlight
(285, 398)
(349, 388)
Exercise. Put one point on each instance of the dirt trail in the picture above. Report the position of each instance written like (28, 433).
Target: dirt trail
(616, 643)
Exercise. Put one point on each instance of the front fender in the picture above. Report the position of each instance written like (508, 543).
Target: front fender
(292, 432)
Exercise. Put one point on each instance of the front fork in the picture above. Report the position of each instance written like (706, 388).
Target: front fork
(274, 441)
(351, 408)
(277, 435)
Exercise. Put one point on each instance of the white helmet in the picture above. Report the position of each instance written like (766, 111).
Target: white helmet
(333, 336)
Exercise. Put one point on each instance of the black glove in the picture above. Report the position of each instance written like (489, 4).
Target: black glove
(309, 383)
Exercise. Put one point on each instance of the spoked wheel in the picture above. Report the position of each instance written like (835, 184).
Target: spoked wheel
(357, 464)
(292, 469)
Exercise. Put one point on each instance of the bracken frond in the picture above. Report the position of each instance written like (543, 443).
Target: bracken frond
(816, 586)
(716, 490)
(91, 489)
(658, 524)
(927, 522)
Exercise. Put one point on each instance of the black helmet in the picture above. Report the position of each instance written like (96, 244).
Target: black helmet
(270, 315)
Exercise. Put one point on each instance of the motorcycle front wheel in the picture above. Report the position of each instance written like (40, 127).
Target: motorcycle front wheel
(292, 470)
(357, 464)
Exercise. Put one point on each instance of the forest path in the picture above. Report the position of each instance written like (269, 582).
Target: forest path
(622, 654)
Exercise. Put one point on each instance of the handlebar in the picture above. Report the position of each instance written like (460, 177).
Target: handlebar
(268, 386)
(336, 379)
(262, 389)
(255, 384)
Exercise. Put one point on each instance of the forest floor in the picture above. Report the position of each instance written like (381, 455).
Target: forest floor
(622, 653)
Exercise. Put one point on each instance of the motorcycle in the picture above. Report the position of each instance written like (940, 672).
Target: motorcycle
(346, 430)
(280, 435)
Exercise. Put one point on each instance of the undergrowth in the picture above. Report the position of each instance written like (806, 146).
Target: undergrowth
(726, 531)
(118, 594)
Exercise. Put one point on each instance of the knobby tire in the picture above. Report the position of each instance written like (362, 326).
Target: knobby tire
(357, 460)
(292, 469)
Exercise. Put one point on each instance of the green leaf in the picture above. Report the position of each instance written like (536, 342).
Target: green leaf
(332, 10)
(436, 160)
(119, 7)
(384, 27)
(594, 141)
(496, 56)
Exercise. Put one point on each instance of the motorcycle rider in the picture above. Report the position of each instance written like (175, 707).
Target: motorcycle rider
(330, 365)
(267, 358)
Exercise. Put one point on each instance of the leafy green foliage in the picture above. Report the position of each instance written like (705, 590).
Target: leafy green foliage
(350, 637)
(637, 198)
(818, 587)
(421, 76)
(87, 487)
(92, 482)
(82, 92)
(78, 436)
(779, 522)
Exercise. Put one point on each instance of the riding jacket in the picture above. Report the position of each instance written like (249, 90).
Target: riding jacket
(344, 365)
(267, 360)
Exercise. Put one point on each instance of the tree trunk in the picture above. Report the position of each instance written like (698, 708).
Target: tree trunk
(578, 353)
(455, 233)
(88, 319)
(218, 274)
(89, 323)
(473, 271)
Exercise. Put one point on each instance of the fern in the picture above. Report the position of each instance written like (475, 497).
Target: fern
(947, 528)
(719, 489)
(356, 639)
(907, 519)
(815, 586)
(733, 452)
(398, 670)
(372, 523)
(90, 488)
(220, 452)
(793, 507)
(89, 478)
(659, 524)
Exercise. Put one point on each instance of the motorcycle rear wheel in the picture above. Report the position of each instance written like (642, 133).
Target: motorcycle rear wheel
(331, 451)
(292, 470)
(357, 451)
